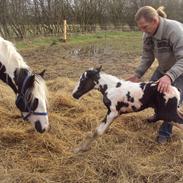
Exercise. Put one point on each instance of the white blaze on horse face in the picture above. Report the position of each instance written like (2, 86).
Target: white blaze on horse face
(40, 92)
(43, 119)
(78, 83)
(76, 88)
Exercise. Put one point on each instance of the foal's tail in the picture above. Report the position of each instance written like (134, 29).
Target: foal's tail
(178, 119)
(179, 116)
(179, 122)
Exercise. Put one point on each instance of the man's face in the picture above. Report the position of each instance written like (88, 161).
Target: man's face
(147, 27)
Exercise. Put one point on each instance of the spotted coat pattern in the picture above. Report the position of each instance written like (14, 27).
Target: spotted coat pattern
(121, 97)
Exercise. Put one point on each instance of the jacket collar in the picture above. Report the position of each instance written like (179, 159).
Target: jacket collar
(159, 33)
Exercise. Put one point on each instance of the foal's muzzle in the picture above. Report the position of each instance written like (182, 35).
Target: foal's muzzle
(76, 95)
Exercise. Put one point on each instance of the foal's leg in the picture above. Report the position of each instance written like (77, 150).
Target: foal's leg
(100, 130)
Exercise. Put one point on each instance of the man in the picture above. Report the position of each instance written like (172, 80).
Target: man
(163, 40)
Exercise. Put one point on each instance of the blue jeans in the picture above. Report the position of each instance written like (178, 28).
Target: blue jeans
(166, 127)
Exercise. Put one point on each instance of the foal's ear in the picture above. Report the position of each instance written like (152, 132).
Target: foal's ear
(42, 73)
(30, 82)
(99, 68)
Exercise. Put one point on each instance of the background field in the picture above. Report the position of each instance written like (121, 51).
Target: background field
(127, 153)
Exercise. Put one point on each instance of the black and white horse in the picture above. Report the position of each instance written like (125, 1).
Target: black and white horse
(30, 89)
(121, 97)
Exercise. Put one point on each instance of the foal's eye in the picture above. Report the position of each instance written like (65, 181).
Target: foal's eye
(82, 79)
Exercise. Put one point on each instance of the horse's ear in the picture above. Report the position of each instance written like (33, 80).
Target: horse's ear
(30, 82)
(99, 68)
(42, 73)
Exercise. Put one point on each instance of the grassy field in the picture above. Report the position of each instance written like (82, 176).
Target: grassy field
(127, 153)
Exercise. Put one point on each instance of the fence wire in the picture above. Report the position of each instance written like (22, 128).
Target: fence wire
(30, 31)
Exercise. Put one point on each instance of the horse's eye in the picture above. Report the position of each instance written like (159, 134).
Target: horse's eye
(82, 79)
(28, 98)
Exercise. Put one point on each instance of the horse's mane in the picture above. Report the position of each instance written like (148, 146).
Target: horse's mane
(12, 60)
(111, 77)
(10, 57)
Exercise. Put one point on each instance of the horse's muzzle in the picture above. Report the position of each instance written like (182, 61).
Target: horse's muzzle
(39, 128)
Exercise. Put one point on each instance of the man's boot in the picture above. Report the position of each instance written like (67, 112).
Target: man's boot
(165, 133)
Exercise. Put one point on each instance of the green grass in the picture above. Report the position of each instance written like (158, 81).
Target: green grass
(102, 36)
(123, 37)
(36, 42)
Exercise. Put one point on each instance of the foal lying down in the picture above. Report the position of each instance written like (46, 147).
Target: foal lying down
(121, 97)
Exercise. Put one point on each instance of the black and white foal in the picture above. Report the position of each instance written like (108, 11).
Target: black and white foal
(30, 89)
(121, 97)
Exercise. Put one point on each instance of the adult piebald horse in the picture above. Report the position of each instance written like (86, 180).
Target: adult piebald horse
(30, 88)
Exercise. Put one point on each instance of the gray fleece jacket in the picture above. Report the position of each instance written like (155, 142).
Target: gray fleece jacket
(166, 46)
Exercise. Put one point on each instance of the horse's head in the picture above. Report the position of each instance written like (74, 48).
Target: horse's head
(32, 100)
(87, 82)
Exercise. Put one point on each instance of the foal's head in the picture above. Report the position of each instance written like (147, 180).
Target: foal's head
(87, 82)
(32, 98)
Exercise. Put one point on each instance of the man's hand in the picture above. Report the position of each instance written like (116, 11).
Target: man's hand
(134, 79)
(164, 84)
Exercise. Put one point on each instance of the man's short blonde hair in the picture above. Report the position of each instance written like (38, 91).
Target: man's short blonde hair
(149, 13)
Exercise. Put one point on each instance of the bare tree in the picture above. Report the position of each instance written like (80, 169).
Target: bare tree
(23, 18)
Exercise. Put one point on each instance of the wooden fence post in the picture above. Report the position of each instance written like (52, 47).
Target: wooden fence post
(65, 30)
